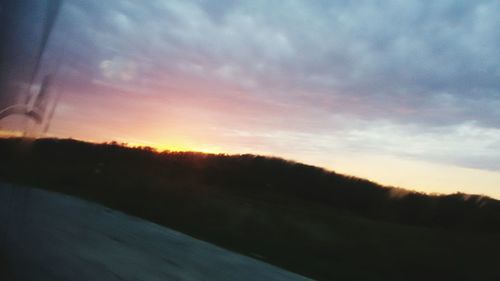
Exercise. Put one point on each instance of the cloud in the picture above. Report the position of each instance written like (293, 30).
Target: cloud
(429, 71)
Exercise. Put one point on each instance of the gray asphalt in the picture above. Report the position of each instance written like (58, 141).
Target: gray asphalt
(50, 236)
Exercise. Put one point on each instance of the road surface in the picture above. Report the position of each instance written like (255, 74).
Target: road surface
(50, 236)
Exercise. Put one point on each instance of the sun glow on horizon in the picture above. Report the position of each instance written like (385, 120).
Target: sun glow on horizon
(420, 176)
(151, 75)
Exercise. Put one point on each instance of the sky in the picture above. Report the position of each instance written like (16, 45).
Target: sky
(404, 93)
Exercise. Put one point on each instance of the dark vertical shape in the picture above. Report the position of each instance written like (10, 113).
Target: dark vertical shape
(51, 112)
(40, 104)
(25, 28)
(10, 50)
(53, 7)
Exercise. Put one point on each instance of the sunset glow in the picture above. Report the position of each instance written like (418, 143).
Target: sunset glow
(324, 84)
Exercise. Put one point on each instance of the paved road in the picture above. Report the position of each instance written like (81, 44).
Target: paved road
(49, 236)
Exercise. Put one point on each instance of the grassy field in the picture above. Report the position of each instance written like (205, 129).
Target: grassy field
(302, 218)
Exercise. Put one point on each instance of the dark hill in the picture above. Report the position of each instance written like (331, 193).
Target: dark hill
(304, 218)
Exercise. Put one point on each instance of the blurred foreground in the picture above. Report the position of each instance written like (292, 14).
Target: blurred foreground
(49, 236)
(307, 220)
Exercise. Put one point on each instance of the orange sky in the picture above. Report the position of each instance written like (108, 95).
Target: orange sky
(240, 124)
(326, 83)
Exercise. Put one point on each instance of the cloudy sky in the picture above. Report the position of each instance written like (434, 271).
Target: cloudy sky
(404, 93)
